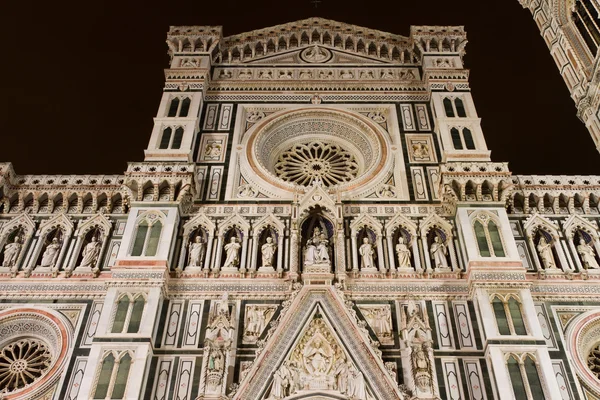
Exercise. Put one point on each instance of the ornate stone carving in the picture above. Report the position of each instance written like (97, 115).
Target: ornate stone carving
(439, 253)
(367, 255)
(197, 252)
(232, 251)
(22, 363)
(256, 319)
(403, 253)
(11, 252)
(316, 252)
(379, 318)
(544, 249)
(267, 252)
(587, 254)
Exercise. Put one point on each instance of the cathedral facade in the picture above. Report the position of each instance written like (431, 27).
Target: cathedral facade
(317, 217)
(571, 29)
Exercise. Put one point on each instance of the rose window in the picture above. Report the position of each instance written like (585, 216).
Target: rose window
(22, 363)
(593, 361)
(305, 163)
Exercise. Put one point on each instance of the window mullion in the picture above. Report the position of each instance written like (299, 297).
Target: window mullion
(509, 320)
(128, 316)
(525, 380)
(113, 378)
(179, 107)
(591, 17)
(489, 240)
(146, 239)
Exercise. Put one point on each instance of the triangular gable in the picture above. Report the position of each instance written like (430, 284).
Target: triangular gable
(536, 221)
(200, 220)
(366, 220)
(575, 222)
(59, 220)
(310, 303)
(317, 195)
(234, 220)
(98, 220)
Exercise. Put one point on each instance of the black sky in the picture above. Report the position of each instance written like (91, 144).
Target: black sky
(83, 80)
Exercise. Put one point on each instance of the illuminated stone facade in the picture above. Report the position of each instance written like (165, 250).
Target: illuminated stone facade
(316, 217)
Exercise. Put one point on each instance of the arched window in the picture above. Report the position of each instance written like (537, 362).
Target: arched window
(468, 137)
(587, 20)
(173, 107)
(128, 313)
(185, 107)
(456, 141)
(488, 237)
(165, 139)
(113, 376)
(514, 371)
(460, 108)
(448, 108)
(147, 237)
(501, 318)
(524, 377)
(177, 138)
(509, 316)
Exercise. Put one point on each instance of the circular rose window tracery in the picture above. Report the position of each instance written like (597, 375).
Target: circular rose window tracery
(305, 163)
(594, 360)
(22, 363)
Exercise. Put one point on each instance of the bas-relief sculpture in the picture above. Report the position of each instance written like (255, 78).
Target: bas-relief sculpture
(379, 318)
(256, 319)
(318, 362)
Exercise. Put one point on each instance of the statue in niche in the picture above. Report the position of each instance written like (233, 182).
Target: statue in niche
(366, 254)
(544, 249)
(232, 249)
(587, 254)
(90, 253)
(197, 252)
(11, 252)
(50, 255)
(403, 253)
(215, 360)
(356, 384)
(317, 248)
(268, 251)
(439, 251)
(421, 366)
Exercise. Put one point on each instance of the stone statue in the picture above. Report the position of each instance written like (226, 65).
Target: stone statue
(51, 253)
(323, 249)
(438, 252)
(90, 253)
(587, 254)
(197, 252)
(366, 254)
(403, 254)
(341, 375)
(256, 319)
(268, 251)
(232, 250)
(215, 360)
(11, 252)
(315, 54)
(317, 248)
(421, 367)
(281, 383)
(545, 251)
(356, 384)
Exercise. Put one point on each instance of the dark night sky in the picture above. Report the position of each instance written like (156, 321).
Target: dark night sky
(83, 80)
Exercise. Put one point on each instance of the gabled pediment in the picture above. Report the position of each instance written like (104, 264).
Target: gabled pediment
(316, 54)
(306, 347)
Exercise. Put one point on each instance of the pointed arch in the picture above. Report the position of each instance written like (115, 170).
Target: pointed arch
(234, 220)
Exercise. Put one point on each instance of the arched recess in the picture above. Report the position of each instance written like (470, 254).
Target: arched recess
(487, 230)
(149, 227)
(401, 226)
(360, 228)
(94, 233)
(535, 228)
(23, 228)
(577, 229)
(433, 226)
(225, 232)
(59, 228)
(202, 226)
(268, 226)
